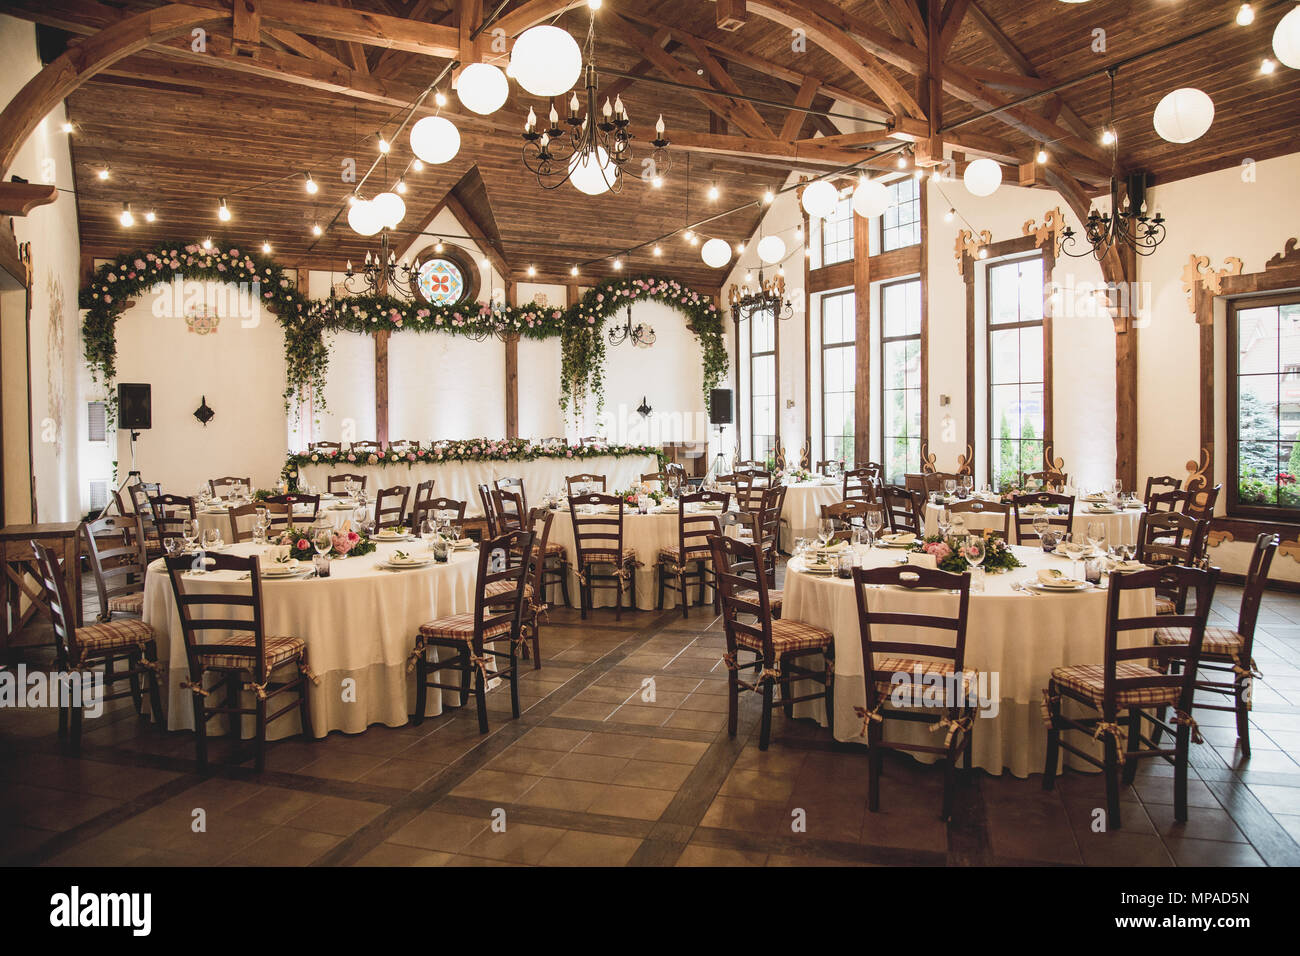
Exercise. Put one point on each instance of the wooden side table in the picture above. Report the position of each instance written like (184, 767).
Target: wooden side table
(20, 562)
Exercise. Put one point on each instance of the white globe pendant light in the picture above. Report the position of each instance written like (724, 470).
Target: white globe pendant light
(546, 61)
(482, 88)
(982, 177)
(585, 172)
(389, 209)
(716, 253)
(871, 198)
(820, 199)
(363, 218)
(1286, 39)
(1183, 115)
(435, 139)
(771, 249)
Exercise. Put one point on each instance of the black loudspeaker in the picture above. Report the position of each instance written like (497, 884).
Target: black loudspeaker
(134, 406)
(720, 406)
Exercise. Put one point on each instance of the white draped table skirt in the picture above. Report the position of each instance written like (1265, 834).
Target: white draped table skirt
(1121, 526)
(1013, 639)
(359, 623)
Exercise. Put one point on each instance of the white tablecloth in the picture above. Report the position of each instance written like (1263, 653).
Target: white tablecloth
(644, 534)
(1121, 526)
(1017, 637)
(803, 509)
(459, 480)
(359, 623)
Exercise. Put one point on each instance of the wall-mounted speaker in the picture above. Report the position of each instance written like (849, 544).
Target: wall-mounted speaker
(720, 406)
(134, 406)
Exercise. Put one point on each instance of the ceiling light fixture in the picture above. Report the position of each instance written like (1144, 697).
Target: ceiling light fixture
(126, 219)
(310, 185)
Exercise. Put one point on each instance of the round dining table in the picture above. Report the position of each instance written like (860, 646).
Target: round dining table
(1121, 524)
(359, 624)
(802, 510)
(1014, 639)
(334, 509)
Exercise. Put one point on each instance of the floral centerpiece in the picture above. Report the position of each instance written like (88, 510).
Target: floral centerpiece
(343, 542)
(794, 475)
(998, 556)
(632, 495)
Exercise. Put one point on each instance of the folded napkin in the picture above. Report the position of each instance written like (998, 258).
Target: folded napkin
(1054, 576)
(900, 538)
(837, 546)
(1033, 509)
(710, 506)
(922, 560)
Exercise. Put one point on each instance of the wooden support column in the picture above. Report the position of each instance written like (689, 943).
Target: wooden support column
(862, 339)
(512, 372)
(1126, 370)
(381, 386)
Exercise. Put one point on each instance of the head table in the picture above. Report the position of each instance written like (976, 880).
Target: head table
(1121, 524)
(359, 623)
(1013, 637)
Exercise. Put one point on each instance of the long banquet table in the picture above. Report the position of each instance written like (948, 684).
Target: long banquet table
(359, 623)
(460, 479)
(1014, 636)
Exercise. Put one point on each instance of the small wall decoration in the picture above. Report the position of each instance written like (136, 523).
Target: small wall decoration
(202, 322)
(1197, 271)
(644, 408)
(1055, 466)
(1052, 227)
(203, 413)
(1289, 253)
(1198, 473)
(969, 244)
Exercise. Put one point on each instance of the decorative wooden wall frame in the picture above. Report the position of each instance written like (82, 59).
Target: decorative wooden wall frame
(1052, 227)
(1282, 271)
(1197, 274)
(1054, 466)
(969, 244)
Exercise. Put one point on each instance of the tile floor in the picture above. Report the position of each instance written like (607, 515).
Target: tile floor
(593, 775)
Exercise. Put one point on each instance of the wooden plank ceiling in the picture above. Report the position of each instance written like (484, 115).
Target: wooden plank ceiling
(179, 131)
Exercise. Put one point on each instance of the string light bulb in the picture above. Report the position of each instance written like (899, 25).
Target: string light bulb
(266, 248)
(532, 271)
(437, 246)
(126, 219)
(1267, 67)
(740, 248)
(150, 216)
(223, 211)
(310, 185)
(657, 182)
(1042, 157)
(67, 127)
(573, 271)
(401, 186)
(207, 244)
(102, 173)
(713, 191)
(769, 196)
(657, 250)
(1108, 136)
(948, 216)
(316, 229)
(384, 147)
(688, 235)
(440, 98)
(417, 165)
(618, 263)
(1245, 15)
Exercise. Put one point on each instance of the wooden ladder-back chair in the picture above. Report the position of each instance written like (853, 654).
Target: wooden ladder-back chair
(691, 558)
(979, 506)
(78, 651)
(1130, 682)
(905, 651)
(431, 508)
(860, 484)
(241, 654)
(291, 510)
(115, 547)
(390, 506)
(1170, 538)
(778, 645)
(336, 483)
(904, 508)
(501, 592)
(598, 542)
(1023, 521)
(1157, 484)
(583, 479)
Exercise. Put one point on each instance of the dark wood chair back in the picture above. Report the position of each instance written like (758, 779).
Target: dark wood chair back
(336, 483)
(1169, 538)
(327, 446)
(597, 537)
(235, 608)
(390, 506)
(115, 546)
(431, 508)
(907, 642)
(861, 484)
(1048, 480)
(170, 512)
(241, 522)
(694, 528)
(63, 617)
(743, 591)
(1169, 579)
(1199, 502)
(1261, 559)
(749, 465)
(292, 509)
(767, 522)
(583, 479)
(510, 511)
(874, 468)
(1173, 500)
(825, 466)
(934, 480)
(489, 509)
(904, 508)
(1160, 483)
(220, 487)
(981, 507)
(1024, 523)
(404, 445)
(853, 514)
(514, 483)
(914, 481)
(503, 558)
(364, 447)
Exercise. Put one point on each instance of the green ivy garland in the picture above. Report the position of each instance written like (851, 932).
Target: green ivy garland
(304, 322)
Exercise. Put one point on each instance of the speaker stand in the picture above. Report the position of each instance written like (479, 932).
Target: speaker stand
(133, 473)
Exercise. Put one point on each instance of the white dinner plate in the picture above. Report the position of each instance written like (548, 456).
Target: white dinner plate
(1072, 587)
(281, 570)
(392, 537)
(406, 565)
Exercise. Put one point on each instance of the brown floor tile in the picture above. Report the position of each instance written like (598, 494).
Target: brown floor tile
(591, 849)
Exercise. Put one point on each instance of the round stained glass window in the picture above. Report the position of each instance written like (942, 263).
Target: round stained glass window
(441, 282)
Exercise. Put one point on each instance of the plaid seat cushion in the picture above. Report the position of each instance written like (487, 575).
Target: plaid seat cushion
(606, 556)
(555, 548)
(774, 597)
(460, 627)
(104, 635)
(127, 603)
(673, 552)
(1088, 681)
(886, 667)
(790, 636)
(1219, 641)
(278, 650)
(1165, 605)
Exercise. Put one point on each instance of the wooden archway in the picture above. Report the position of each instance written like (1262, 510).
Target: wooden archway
(79, 63)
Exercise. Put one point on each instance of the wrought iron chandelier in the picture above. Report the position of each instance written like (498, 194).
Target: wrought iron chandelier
(641, 335)
(382, 274)
(1127, 223)
(767, 296)
(590, 150)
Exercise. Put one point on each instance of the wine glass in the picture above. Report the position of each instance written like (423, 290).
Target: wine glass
(189, 532)
(170, 545)
(825, 531)
(875, 521)
(1041, 524)
(211, 538)
(259, 531)
(1096, 532)
(322, 541)
(944, 520)
(949, 487)
(973, 550)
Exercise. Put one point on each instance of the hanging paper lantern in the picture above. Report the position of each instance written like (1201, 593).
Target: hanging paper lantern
(871, 198)
(820, 199)
(435, 139)
(1183, 115)
(389, 208)
(482, 88)
(983, 177)
(546, 61)
(771, 249)
(1286, 40)
(586, 174)
(716, 253)
(363, 218)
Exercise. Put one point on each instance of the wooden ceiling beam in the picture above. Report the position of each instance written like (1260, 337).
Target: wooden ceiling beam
(910, 17)
(723, 81)
(295, 43)
(807, 152)
(355, 53)
(953, 16)
(796, 118)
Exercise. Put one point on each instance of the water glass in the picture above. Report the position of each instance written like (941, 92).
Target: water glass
(321, 563)
(322, 541)
(211, 538)
(875, 522)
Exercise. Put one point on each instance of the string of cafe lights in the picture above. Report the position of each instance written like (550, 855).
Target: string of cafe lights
(1286, 47)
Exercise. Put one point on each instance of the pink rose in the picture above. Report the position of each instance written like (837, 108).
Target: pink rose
(302, 544)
